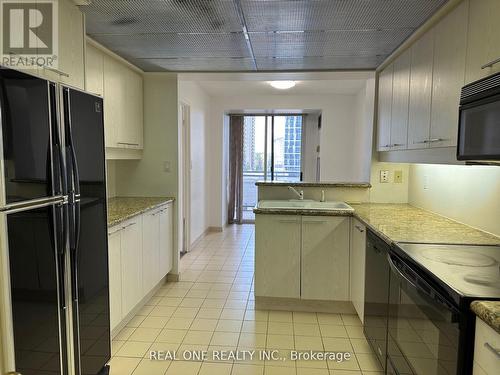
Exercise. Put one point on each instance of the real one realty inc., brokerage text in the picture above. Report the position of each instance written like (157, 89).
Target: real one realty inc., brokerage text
(247, 355)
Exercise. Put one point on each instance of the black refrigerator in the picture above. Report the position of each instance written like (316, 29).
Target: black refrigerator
(54, 284)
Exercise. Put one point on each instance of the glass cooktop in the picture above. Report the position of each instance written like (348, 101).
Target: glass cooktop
(471, 271)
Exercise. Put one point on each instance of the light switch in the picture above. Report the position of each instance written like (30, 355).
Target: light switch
(384, 176)
(166, 166)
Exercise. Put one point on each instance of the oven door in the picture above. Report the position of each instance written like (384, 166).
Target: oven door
(423, 332)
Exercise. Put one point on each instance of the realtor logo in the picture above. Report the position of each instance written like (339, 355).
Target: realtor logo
(29, 33)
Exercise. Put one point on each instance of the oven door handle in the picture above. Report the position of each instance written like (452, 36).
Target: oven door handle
(434, 295)
(399, 273)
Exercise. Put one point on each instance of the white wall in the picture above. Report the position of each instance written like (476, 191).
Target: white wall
(340, 161)
(198, 101)
(311, 140)
(364, 130)
(468, 194)
(147, 177)
(389, 192)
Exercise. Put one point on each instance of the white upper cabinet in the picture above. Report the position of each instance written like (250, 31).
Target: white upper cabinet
(71, 44)
(483, 39)
(419, 108)
(448, 76)
(94, 70)
(70, 68)
(400, 98)
(384, 109)
(114, 89)
(122, 90)
(131, 129)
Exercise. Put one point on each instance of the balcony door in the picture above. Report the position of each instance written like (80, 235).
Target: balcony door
(272, 151)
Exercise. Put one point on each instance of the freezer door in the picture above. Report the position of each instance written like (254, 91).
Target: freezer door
(29, 161)
(84, 138)
(33, 293)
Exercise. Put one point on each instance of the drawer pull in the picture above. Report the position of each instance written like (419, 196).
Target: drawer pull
(491, 63)
(492, 349)
(359, 228)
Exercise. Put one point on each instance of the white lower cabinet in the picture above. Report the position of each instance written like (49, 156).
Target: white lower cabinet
(486, 349)
(303, 257)
(166, 240)
(151, 250)
(325, 258)
(357, 262)
(277, 256)
(140, 255)
(115, 277)
(131, 251)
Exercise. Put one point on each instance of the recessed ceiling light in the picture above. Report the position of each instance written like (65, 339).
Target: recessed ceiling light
(282, 85)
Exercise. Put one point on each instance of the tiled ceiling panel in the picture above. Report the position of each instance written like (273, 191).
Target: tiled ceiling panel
(161, 16)
(177, 45)
(246, 35)
(327, 43)
(299, 15)
(319, 63)
(195, 64)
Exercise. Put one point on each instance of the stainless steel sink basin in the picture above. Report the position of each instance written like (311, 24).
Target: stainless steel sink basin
(293, 205)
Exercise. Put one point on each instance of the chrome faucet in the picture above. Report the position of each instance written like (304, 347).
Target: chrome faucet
(300, 193)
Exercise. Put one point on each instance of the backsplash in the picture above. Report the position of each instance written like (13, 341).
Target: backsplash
(468, 194)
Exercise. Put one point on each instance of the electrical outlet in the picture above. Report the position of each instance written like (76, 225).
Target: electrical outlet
(398, 177)
(384, 176)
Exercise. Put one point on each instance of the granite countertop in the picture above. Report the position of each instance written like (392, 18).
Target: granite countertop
(402, 223)
(489, 312)
(406, 223)
(123, 208)
(315, 184)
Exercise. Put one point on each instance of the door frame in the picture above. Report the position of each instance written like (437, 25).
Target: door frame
(186, 176)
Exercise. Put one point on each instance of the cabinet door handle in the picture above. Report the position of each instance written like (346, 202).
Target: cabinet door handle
(491, 63)
(293, 221)
(314, 221)
(115, 230)
(128, 144)
(434, 140)
(419, 142)
(129, 225)
(492, 349)
(359, 228)
(60, 72)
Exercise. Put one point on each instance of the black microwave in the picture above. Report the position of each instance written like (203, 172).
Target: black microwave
(479, 121)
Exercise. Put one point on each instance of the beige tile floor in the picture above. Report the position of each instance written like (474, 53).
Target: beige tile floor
(212, 308)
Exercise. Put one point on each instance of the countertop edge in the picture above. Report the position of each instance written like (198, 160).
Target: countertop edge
(305, 212)
(139, 212)
(362, 185)
(301, 212)
(488, 312)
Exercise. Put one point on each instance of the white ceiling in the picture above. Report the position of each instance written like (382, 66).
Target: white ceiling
(346, 83)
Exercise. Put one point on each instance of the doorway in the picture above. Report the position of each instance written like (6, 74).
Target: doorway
(186, 177)
(272, 151)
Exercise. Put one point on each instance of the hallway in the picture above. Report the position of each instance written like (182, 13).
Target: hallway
(212, 308)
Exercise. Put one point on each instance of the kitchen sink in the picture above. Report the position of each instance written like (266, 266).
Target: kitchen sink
(295, 204)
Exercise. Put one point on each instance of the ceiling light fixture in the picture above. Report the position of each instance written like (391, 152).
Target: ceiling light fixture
(282, 85)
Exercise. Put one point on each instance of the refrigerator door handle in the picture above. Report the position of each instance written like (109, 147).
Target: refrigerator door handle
(56, 140)
(75, 178)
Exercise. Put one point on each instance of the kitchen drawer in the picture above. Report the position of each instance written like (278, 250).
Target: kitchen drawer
(486, 342)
